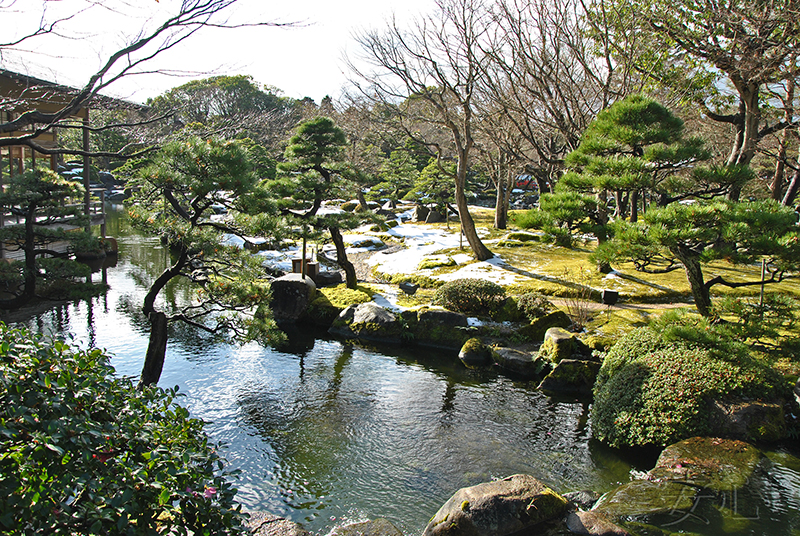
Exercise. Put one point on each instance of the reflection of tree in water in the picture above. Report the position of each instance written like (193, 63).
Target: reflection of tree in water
(308, 425)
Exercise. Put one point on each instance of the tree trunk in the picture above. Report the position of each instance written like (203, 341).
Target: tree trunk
(694, 273)
(479, 250)
(362, 201)
(634, 206)
(500, 206)
(791, 190)
(156, 350)
(341, 258)
(30, 255)
(749, 94)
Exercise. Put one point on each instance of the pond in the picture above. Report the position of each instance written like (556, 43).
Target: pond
(326, 432)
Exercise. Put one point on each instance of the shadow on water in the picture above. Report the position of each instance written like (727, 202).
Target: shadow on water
(326, 432)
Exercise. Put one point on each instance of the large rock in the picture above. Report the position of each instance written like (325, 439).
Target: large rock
(261, 524)
(571, 377)
(434, 216)
(420, 213)
(749, 420)
(561, 344)
(520, 363)
(593, 524)
(712, 463)
(474, 354)
(646, 498)
(291, 294)
(368, 321)
(438, 328)
(499, 508)
(537, 329)
(377, 527)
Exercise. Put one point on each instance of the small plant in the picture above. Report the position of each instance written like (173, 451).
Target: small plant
(471, 296)
(534, 305)
(578, 297)
(84, 452)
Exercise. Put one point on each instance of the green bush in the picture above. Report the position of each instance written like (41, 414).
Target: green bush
(84, 452)
(534, 305)
(655, 383)
(471, 296)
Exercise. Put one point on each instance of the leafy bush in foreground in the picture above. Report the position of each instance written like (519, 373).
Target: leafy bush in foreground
(84, 453)
(471, 296)
(655, 383)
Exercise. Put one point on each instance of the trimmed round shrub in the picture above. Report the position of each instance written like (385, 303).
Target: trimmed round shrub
(471, 296)
(84, 452)
(656, 382)
(534, 305)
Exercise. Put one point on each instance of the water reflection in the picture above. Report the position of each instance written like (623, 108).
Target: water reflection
(325, 431)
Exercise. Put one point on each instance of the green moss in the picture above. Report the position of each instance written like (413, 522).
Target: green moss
(330, 301)
(523, 237)
(435, 262)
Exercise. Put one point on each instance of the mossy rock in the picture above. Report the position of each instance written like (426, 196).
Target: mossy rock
(647, 498)
(499, 508)
(571, 376)
(558, 344)
(712, 463)
(537, 329)
(510, 243)
(329, 302)
(439, 328)
(523, 364)
(349, 206)
(475, 354)
(377, 527)
(509, 312)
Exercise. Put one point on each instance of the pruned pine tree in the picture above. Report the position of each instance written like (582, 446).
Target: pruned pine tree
(177, 194)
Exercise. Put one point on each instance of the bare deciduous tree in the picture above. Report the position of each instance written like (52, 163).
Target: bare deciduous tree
(437, 63)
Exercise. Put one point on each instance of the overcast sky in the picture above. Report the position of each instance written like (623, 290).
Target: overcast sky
(300, 61)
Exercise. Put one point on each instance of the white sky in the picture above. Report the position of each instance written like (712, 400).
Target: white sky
(300, 61)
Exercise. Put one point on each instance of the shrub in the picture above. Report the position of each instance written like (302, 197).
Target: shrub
(471, 296)
(656, 382)
(534, 305)
(83, 452)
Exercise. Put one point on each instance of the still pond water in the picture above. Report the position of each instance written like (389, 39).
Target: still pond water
(326, 432)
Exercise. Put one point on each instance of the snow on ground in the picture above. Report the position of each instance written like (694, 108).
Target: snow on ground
(424, 241)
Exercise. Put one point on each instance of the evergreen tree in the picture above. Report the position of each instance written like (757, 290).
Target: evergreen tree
(176, 195)
(46, 205)
(314, 172)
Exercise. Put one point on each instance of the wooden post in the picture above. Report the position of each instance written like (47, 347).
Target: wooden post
(303, 261)
(87, 162)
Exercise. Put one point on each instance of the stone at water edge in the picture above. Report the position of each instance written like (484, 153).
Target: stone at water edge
(645, 498)
(291, 295)
(593, 524)
(474, 354)
(498, 508)
(537, 329)
(571, 376)
(749, 420)
(708, 462)
(521, 363)
(262, 524)
(582, 499)
(376, 527)
(368, 321)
